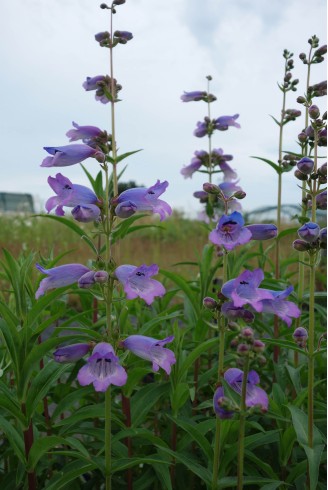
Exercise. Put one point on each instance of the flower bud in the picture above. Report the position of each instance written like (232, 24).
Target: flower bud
(212, 188)
(85, 213)
(300, 175)
(301, 245)
(309, 232)
(321, 51)
(101, 277)
(302, 56)
(239, 195)
(302, 137)
(300, 99)
(262, 231)
(314, 111)
(258, 346)
(322, 137)
(71, 353)
(247, 333)
(300, 336)
(323, 170)
(321, 200)
(210, 303)
(243, 350)
(87, 280)
(305, 165)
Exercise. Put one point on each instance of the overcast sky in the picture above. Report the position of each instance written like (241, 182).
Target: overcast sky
(48, 48)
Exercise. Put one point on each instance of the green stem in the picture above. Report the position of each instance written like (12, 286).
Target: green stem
(108, 452)
(221, 325)
(112, 106)
(242, 423)
(311, 352)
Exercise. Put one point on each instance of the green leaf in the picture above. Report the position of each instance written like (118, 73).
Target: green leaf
(269, 162)
(300, 423)
(289, 231)
(67, 222)
(285, 343)
(195, 353)
(15, 439)
(12, 341)
(119, 158)
(196, 435)
(69, 472)
(144, 400)
(184, 286)
(42, 446)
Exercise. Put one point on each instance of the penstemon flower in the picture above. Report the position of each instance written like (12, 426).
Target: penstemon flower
(68, 194)
(83, 132)
(142, 199)
(102, 369)
(152, 350)
(71, 353)
(230, 231)
(222, 123)
(137, 282)
(65, 156)
(64, 275)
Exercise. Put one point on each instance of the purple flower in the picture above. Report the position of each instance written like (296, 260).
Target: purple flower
(230, 231)
(68, 194)
(219, 402)
(228, 173)
(300, 336)
(152, 350)
(103, 38)
(87, 280)
(219, 157)
(262, 231)
(222, 123)
(83, 132)
(122, 37)
(305, 165)
(255, 396)
(64, 275)
(193, 96)
(136, 281)
(71, 353)
(323, 237)
(189, 170)
(202, 128)
(309, 232)
(321, 200)
(102, 369)
(84, 213)
(92, 83)
(233, 312)
(286, 310)
(143, 199)
(70, 155)
(244, 290)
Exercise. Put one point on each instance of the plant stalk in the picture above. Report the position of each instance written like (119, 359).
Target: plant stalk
(242, 423)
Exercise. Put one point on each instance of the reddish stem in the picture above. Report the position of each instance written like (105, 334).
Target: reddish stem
(28, 442)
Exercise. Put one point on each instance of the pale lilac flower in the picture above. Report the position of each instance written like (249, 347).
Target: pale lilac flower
(262, 231)
(101, 277)
(64, 275)
(92, 83)
(83, 132)
(193, 96)
(152, 350)
(219, 157)
(202, 128)
(244, 290)
(230, 231)
(255, 396)
(189, 170)
(309, 232)
(68, 194)
(228, 173)
(103, 86)
(222, 123)
(71, 353)
(137, 281)
(143, 199)
(85, 213)
(228, 188)
(122, 37)
(278, 305)
(103, 38)
(102, 369)
(70, 155)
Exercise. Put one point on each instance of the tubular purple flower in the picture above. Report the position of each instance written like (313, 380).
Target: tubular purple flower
(143, 199)
(202, 128)
(87, 280)
(84, 213)
(102, 38)
(83, 132)
(255, 396)
(189, 170)
(152, 350)
(219, 400)
(286, 310)
(102, 369)
(101, 277)
(136, 282)
(230, 231)
(61, 276)
(305, 165)
(262, 231)
(71, 353)
(321, 200)
(65, 156)
(92, 83)
(244, 290)
(232, 312)
(323, 237)
(219, 157)
(228, 173)
(228, 188)
(222, 123)
(68, 194)
(193, 96)
(122, 36)
(309, 232)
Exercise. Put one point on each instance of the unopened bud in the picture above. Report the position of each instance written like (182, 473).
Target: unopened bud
(321, 51)
(314, 112)
(305, 165)
(302, 137)
(101, 277)
(239, 195)
(299, 175)
(210, 303)
(300, 99)
(301, 245)
(258, 346)
(212, 188)
(300, 336)
(243, 350)
(247, 333)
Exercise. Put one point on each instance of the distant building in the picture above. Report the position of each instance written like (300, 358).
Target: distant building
(11, 202)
